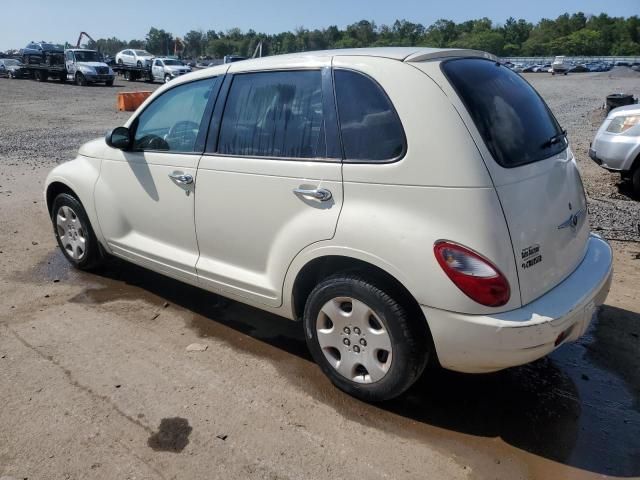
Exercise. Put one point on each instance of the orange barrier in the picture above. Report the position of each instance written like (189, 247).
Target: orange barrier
(130, 101)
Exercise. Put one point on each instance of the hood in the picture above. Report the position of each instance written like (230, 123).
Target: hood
(624, 111)
(178, 68)
(94, 148)
(92, 64)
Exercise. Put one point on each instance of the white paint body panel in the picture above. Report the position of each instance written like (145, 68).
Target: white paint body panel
(242, 232)
(145, 217)
(251, 225)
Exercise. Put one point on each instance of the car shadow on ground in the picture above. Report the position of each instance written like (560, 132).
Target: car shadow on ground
(579, 407)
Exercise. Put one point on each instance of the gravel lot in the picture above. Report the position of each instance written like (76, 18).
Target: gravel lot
(577, 102)
(96, 380)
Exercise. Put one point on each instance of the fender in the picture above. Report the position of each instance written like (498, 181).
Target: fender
(80, 175)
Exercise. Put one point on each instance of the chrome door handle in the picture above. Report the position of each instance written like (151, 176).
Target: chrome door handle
(321, 194)
(181, 178)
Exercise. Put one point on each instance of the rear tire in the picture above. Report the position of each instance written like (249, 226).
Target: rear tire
(109, 83)
(139, 64)
(370, 346)
(74, 234)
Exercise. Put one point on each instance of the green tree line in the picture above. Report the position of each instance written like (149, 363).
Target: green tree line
(569, 34)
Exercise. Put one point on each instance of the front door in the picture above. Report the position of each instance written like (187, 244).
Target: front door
(70, 64)
(145, 197)
(157, 70)
(273, 184)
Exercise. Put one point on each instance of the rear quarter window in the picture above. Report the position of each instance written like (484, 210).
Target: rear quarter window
(370, 128)
(515, 123)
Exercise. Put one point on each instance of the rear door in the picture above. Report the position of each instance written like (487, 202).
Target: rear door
(531, 165)
(272, 183)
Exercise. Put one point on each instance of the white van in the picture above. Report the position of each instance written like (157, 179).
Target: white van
(559, 66)
(408, 205)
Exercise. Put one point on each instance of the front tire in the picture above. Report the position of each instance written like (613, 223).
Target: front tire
(167, 78)
(81, 80)
(365, 340)
(74, 234)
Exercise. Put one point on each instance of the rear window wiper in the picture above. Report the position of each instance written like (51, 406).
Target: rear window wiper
(555, 139)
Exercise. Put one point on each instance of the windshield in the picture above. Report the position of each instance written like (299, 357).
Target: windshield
(87, 56)
(515, 123)
(173, 62)
(142, 53)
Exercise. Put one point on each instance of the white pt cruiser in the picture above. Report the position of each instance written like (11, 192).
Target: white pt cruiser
(408, 205)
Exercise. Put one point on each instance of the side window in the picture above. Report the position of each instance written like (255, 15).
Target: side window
(69, 56)
(274, 114)
(172, 121)
(157, 63)
(371, 129)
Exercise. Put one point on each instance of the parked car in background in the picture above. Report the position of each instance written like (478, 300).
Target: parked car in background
(616, 146)
(579, 68)
(321, 197)
(166, 69)
(8, 65)
(137, 58)
(41, 49)
(233, 58)
(559, 66)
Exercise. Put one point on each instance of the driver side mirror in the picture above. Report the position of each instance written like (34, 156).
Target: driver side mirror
(119, 137)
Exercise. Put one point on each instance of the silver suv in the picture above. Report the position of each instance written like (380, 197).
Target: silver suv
(616, 146)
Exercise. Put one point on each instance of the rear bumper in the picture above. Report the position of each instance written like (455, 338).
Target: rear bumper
(484, 343)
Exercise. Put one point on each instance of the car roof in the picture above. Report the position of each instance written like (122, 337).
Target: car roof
(401, 54)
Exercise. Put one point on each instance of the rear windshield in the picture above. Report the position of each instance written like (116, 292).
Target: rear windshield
(515, 123)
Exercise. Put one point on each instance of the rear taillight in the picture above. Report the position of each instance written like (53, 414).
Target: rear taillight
(478, 278)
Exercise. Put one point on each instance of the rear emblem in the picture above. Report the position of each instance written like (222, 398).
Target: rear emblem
(573, 221)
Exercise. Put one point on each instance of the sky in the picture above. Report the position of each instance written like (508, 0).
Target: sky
(62, 20)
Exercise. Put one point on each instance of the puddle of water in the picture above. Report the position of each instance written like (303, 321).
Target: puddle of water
(54, 267)
(172, 435)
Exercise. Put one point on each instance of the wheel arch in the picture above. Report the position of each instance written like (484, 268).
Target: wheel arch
(320, 267)
(54, 189)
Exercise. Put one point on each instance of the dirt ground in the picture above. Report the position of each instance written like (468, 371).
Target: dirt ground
(96, 381)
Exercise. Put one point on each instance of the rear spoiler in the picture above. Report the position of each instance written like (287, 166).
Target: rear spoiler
(441, 54)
